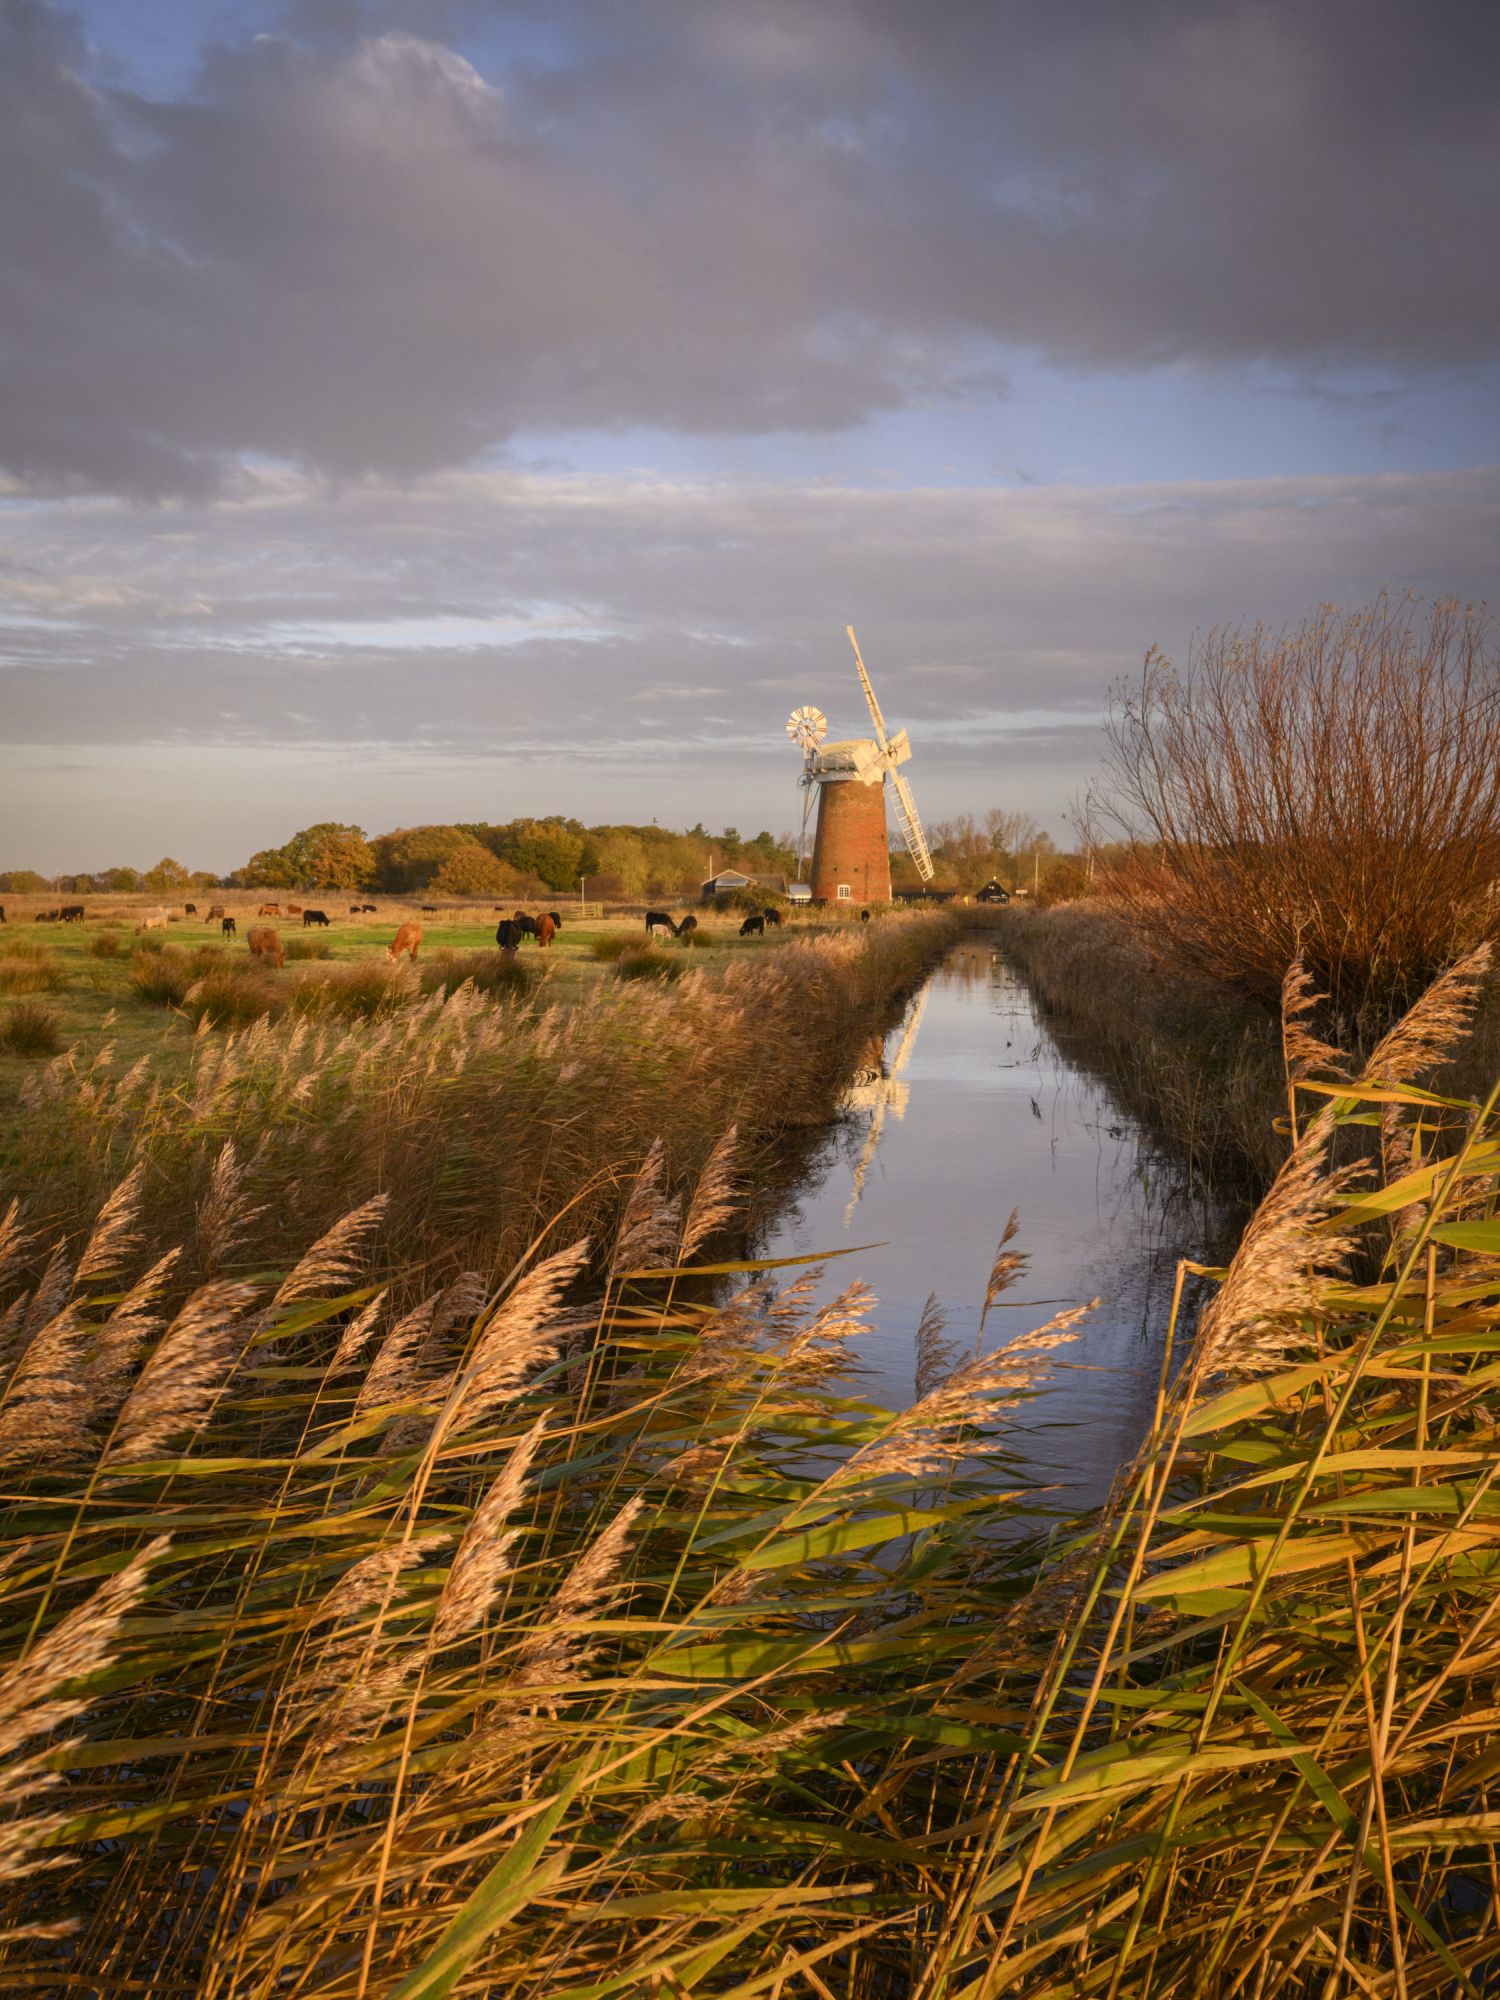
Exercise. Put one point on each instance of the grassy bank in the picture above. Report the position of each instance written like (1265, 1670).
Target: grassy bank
(533, 1642)
(1199, 1068)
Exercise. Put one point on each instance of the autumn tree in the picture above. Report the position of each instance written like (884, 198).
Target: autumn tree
(326, 856)
(473, 871)
(167, 874)
(408, 860)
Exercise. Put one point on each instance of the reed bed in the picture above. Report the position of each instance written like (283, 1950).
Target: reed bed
(476, 1120)
(563, 1634)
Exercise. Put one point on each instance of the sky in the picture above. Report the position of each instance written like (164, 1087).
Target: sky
(426, 410)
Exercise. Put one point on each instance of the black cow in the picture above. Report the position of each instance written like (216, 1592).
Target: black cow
(429, 909)
(556, 920)
(753, 927)
(70, 913)
(864, 916)
(190, 909)
(356, 909)
(2, 913)
(45, 917)
(527, 926)
(686, 928)
(658, 920)
(508, 935)
(310, 918)
(227, 927)
(772, 917)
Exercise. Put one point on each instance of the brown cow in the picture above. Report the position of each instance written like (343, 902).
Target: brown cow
(408, 938)
(269, 910)
(546, 931)
(294, 909)
(265, 944)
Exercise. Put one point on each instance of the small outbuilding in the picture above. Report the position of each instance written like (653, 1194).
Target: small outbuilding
(992, 893)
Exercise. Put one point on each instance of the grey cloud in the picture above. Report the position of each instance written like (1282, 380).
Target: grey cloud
(351, 250)
(1035, 601)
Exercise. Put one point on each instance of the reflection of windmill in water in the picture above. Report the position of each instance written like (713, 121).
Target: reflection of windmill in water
(878, 1089)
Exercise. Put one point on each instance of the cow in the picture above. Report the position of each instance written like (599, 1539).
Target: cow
(269, 910)
(214, 914)
(355, 909)
(2, 913)
(294, 909)
(528, 926)
(408, 938)
(753, 927)
(369, 907)
(686, 928)
(70, 913)
(429, 909)
(658, 920)
(157, 921)
(45, 917)
(265, 944)
(864, 916)
(556, 920)
(190, 909)
(227, 927)
(772, 917)
(310, 918)
(508, 935)
(546, 931)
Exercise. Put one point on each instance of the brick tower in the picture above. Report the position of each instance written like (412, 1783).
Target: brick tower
(851, 858)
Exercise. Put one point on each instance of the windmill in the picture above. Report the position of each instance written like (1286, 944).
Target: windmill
(851, 854)
(879, 1089)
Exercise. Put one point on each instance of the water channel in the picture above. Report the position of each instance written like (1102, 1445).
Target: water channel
(971, 1106)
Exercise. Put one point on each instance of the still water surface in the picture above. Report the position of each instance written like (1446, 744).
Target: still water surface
(969, 1108)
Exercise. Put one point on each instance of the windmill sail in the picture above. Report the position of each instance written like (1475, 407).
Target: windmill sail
(895, 750)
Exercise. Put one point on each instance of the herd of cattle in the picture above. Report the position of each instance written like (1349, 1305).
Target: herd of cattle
(265, 944)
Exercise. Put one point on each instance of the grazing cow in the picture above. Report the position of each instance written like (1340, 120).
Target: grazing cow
(772, 917)
(864, 916)
(70, 913)
(269, 910)
(227, 927)
(190, 909)
(429, 909)
(355, 909)
(45, 917)
(294, 909)
(214, 914)
(686, 928)
(508, 935)
(753, 927)
(157, 921)
(2, 913)
(370, 907)
(546, 931)
(556, 920)
(528, 926)
(408, 938)
(265, 944)
(658, 920)
(312, 917)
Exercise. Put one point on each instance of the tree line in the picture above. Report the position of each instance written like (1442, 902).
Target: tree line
(557, 854)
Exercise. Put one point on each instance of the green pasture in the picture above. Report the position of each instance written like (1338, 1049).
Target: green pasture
(97, 1009)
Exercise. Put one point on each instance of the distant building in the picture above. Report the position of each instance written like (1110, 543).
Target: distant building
(729, 879)
(799, 892)
(992, 893)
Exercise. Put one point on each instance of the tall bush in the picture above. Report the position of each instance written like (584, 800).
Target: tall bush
(1331, 793)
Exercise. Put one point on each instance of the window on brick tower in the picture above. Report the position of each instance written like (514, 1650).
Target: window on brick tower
(844, 891)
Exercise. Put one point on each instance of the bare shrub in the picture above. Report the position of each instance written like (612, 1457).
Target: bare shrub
(106, 945)
(490, 971)
(648, 963)
(354, 992)
(610, 949)
(233, 997)
(38, 974)
(306, 947)
(161, 976)
(1332, 793)
(29, 1029)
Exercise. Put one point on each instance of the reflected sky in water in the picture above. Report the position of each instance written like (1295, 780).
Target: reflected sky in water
(969, 1108)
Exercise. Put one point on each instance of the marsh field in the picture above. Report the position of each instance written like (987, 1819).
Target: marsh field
(441, 1560)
